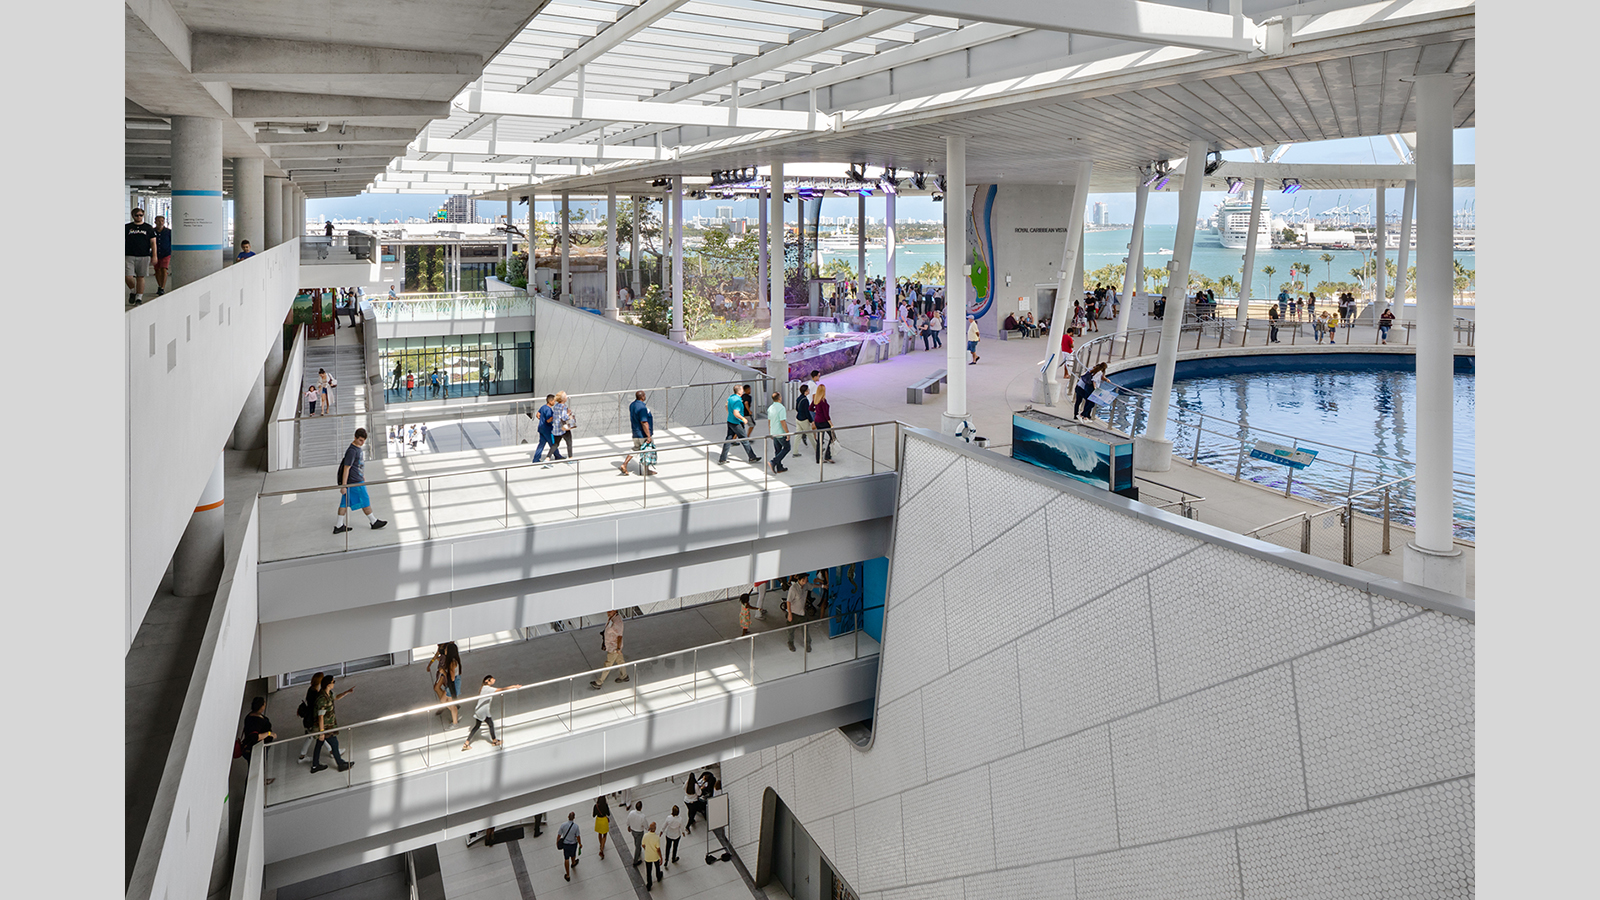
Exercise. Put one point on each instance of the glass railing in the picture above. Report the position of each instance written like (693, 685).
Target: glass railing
(423, 739)
(296, 523)
(445, 307)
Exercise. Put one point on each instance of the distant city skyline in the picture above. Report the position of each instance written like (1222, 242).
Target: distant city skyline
(1162, 209)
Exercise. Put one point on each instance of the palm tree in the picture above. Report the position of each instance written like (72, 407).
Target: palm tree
(1328, 258)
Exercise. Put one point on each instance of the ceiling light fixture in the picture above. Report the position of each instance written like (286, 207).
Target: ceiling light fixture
(1291, 185)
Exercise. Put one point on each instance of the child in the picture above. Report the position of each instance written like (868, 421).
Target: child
(744, 614)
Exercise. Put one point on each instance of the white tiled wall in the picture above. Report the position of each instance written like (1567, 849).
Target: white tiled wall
(1075, 702)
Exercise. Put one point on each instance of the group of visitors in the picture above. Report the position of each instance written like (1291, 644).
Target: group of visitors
(813, 424)
(146, 248)
(323, 392)
(556, 423)
(655, 843)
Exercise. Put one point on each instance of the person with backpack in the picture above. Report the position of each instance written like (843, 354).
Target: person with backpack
(569, 837)
(308, 719)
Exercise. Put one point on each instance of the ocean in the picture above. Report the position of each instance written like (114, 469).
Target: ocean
(1211, 259)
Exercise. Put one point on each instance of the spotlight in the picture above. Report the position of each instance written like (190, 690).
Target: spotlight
(1161, 181)
(1156, 172)
(938, 198)
(855, 173)
(938, 184)
(1213, 161)
(1290, 185)
(919, 181)
(865, 192)
(1234, 185)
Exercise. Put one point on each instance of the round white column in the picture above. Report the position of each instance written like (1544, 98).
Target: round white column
(611, 253)
(271, 212)
(1133, 278)
(778, 358)
(677, 332)
(955, 282)
(249, 215)
(198, 239)
(1242, 314)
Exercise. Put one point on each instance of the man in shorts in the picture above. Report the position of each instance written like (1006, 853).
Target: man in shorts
(570, 838)
(163, 254)
(643, 426)
(139, 252)
(352, 487)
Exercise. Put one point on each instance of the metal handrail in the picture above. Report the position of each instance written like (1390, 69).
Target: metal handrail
(486, 408)
(610, 455)
(435, 707)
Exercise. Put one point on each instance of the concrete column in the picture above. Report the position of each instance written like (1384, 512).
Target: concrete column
(249, 222)
(861, 244)
(638, 265)
(666, 238)
(889, 274)
(1133, 279)
(1408, 203)
(290, 232)
(762, 294)
(509, 245)
(1381, 279)
(250, 429)
(1046, 385)
(611, 253)
(566, 247)
(677, 332)
(271, 212)
(1243, 313)
(956, 267)
(197, 561)
(775, 271)
(197, 220)
(1432, 559)
(1152, 452)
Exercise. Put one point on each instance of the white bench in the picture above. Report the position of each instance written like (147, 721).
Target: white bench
(929, 385)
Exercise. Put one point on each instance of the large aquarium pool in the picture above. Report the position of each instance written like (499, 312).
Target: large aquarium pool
(1357, 411)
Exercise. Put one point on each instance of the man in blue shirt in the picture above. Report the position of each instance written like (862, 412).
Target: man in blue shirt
(1283, 304)
(778, 427)
(244, 252)
(352, 486)
(738, 429)
(643, 426)
(547, 422)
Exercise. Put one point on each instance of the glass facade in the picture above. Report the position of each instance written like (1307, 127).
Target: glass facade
(466, 365)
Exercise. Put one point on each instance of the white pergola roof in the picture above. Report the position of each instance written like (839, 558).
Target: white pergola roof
(596, 93)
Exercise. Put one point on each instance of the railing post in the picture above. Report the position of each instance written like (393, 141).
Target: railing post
(1238, 466)
(874, 444)
(1352, 489)
(1288, 484)
(1305, 533)
(695, 691)
(577, 489)
(1349, 531)
(1385, 521)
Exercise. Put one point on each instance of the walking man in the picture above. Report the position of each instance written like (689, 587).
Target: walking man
(139, 252)
(481, 714)
(352, 486)
(643, 426)
(570, 839)
(935, 326)
(652, 858)
(738, 429)
(972, 340)
(778, 428)
(547, 424)
(611, 643)
(327, 720)
(636, 828)
(164, 254)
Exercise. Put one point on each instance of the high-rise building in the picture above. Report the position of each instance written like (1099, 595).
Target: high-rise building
(1102, 213)
(725, 213)
(460, 209)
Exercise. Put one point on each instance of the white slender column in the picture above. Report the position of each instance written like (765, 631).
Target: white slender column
(508, 236)
(197, 561)
(677, 332)
(1242, 315)
(249, 221)
(1133, 278)
(890, 293)
(861, 246)
(611, 253)
(778, 362)
(1381, 245)
(635, 289)
(271, 212)
(197, 220)
(762, 294)
(1046, 384)
(1431, 559)
(566, 248)
(286, 208)
(956, 269)
(1408, 203)
(1152, 452)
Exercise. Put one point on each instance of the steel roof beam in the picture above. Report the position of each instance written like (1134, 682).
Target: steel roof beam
(289, 105)
(536, 149)
(547, 107)
(354, 134)
(237, 55)
(1128, 20)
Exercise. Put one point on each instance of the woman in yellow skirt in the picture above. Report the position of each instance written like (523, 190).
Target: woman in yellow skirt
(602, 822)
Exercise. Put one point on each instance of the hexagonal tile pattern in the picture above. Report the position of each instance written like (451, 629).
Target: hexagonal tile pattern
(979, 699)
(933, 532)
(949, 830)
(1219, 613)
(1066, 784)
(999, 499)
(1388, 710)
(915, 645)
(1416, 845)
(897, 758)
(1386, 610)
(990, 599)
(1093, 549)
(1088, 666)
(949, 889)
(1046, 879)
(880, 845)
(923, 462)
(1197, 868)
(820, 786)
(1222, 756)
(844, 846)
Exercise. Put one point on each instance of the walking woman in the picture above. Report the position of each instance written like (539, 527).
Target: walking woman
(566, 421)
(602, 821)
(802, 412)
(1087, 383)
(308, 717)
(447, 680)
(822, 425)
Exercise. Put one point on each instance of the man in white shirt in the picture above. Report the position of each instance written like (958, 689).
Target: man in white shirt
(611, 643)
(972, 340)
(636, 826)
(481, 715)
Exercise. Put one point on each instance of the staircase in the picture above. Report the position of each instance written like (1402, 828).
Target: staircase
(321, 441)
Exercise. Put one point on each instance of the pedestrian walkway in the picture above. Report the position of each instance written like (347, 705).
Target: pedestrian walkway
(531, 867)
(674, 658)
(324, 437)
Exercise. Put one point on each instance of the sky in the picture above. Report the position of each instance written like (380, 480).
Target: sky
(1163, 206)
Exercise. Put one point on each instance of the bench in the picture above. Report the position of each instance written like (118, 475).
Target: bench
(928, 385)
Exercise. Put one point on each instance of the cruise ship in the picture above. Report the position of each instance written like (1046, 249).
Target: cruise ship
(1233, 224)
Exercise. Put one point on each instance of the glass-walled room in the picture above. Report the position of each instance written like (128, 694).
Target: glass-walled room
(454, 366)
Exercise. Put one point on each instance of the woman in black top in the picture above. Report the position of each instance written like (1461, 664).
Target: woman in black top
(802, 411)
(602, 821)
(257, 729)
(310, 720)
